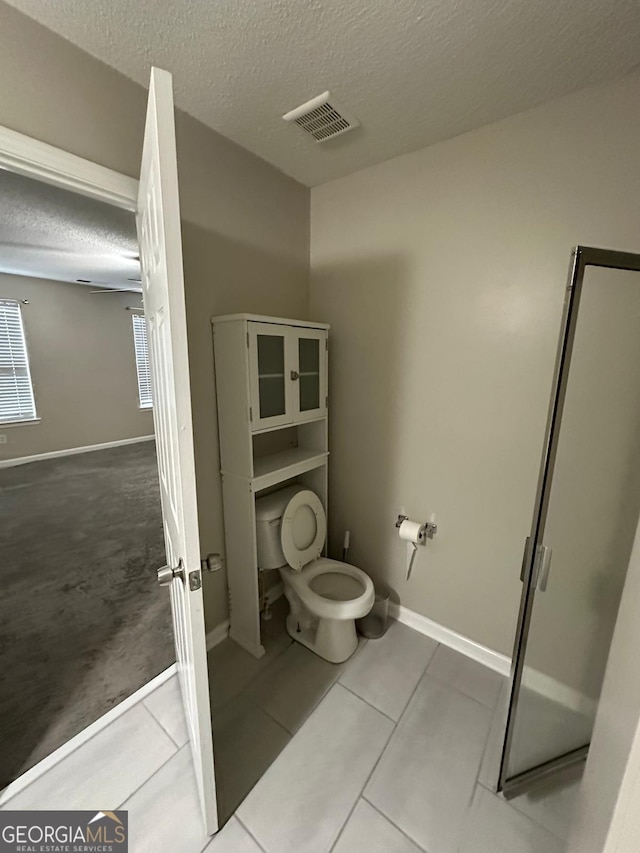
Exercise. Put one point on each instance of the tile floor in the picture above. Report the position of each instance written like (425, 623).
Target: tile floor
(393, 752)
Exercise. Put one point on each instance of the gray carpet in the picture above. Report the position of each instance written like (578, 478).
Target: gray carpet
(83, 623)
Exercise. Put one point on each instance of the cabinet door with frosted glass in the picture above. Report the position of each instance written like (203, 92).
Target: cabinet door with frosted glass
(270, 359)
(309, 374)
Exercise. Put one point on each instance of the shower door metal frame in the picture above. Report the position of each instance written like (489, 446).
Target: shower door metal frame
(582, 257)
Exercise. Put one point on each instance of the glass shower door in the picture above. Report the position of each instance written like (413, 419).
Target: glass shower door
(586, 514)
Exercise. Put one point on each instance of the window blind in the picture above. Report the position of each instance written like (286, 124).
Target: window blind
(16, 391)
(142, 361)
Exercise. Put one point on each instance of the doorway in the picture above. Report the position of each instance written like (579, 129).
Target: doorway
(82, 623)
(154, 199)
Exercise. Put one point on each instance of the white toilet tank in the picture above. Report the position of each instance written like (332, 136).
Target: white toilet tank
(269, 511)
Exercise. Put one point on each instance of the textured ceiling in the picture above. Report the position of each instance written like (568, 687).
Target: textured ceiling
(412, 71)
(48, 232)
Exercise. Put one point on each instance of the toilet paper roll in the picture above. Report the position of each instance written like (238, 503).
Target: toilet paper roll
(411, 531)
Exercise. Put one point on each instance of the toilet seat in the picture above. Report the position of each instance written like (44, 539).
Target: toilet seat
(330, 608)
(325, 596)
(303, 530)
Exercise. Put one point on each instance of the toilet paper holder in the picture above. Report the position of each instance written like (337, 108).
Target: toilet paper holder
(430, 528)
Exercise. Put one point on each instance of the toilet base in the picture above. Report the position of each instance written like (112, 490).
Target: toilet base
(334, 640)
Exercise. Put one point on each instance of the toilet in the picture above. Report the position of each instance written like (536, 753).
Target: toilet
(325, 596)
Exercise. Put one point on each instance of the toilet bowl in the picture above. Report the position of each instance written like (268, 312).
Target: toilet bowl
(325, 596)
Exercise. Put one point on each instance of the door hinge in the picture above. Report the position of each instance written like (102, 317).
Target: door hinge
(250, 415)
(195, 580)
(326, 402)
(247, 340)
(326, 343)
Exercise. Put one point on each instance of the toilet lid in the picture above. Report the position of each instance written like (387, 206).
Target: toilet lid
(303, 529)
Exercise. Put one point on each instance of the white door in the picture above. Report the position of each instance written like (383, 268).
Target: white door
(270, 369)
(158, 221)
(309, 353)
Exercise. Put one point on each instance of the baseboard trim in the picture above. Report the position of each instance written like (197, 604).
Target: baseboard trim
(448, 637)
(72, 451)
(539, 682)
(217, 635)
(223, 630)
(82, 737)
(256, 650)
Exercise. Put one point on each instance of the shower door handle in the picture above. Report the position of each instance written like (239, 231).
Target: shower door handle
(543, 564)
(525, 557)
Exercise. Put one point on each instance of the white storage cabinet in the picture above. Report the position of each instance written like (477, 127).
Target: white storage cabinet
(287, 374)
(272, 393)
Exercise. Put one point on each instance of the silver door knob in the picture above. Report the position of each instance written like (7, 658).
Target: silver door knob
(167, 573)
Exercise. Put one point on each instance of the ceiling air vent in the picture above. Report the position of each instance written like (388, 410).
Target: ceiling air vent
(322, 118)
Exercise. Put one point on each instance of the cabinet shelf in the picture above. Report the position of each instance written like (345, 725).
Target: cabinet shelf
(272, 469)
(284, 465)
(288, 426)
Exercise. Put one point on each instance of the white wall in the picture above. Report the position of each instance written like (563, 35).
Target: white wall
(624, 830)
(442, 273)
(83, 368)
(608, 815)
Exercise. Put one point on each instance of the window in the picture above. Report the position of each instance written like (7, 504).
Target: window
(142, 361)
(16, 392)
